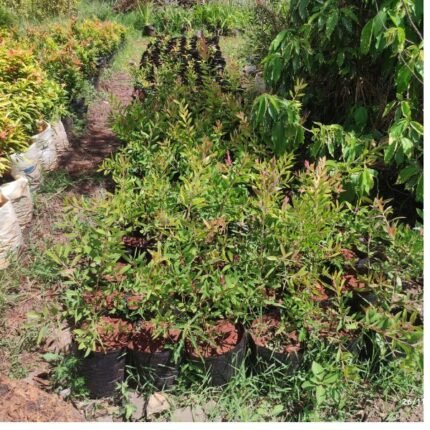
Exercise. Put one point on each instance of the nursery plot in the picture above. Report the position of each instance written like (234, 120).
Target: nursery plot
(228, 268)
(198, 54)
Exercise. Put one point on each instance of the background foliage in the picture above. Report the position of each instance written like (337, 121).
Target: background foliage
(362, 70)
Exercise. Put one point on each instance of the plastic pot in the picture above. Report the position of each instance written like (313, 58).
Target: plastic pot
(158, 368)
(10, 232)
(222, 368)
(149, 30)
(263, 358)
(103, 371)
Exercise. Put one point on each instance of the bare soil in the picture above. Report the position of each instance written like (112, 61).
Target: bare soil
(21, 401)
(114, 333)
(98, 141)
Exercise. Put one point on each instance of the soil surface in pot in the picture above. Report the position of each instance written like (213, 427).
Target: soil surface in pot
(224, 335)
(114, 333)
(144, 339)
(265, 333)
(101, 301)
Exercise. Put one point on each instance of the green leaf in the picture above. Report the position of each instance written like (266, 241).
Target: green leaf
(340, 58)
(317, 369)
(365, 181)
(331, 23)
(320, 395)
(417, 127)
(407, 173)
(278, 40)
(303, 8)
(379, 22)
(330, 379)
(366, 37)
(307, 384)
(419, 190)
(406, 109)
(277, 409)
(407, 146)
(389, 107)
(403, 78)
(401, 38)
(33, 315)
(50, 357)
(360, 117)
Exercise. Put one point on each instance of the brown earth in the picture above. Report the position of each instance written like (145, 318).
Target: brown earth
(264, 331)
(224, 336)
(114, 333)
(98, 141)
(21, 401)
(143, 338)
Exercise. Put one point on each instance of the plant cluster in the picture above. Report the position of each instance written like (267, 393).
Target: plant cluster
(205, 224)
(40, 9)
(27, 96)
(73, 52)
(361, 107)
(46, 70)
(220, 16)
(199, 55)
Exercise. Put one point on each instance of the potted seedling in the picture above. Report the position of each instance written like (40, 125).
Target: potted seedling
(102, 344)
(153, 352)
(219, 347)
(275, 342)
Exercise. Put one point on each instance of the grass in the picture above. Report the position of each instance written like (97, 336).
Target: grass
(129, 55)
(388, 394)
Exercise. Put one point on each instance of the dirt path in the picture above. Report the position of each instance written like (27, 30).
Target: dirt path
(98, 141)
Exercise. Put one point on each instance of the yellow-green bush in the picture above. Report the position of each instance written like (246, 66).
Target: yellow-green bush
(27, 96)
(40, 8)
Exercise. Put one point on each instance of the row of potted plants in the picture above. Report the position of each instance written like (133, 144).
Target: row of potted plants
(207, 232)
(27, 96)
(41, 76)
(158, 351)
(74, 51)
(197, 54)
(44, 72)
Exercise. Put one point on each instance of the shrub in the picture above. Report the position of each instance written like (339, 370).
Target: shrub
(7, 18)
(27, 96)
(40, 9)
(72, 52)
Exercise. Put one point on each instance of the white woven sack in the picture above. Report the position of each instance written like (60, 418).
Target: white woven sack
(10, 232)
(18, 193)
(48, 152)
(61, 141)
(27, 164)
